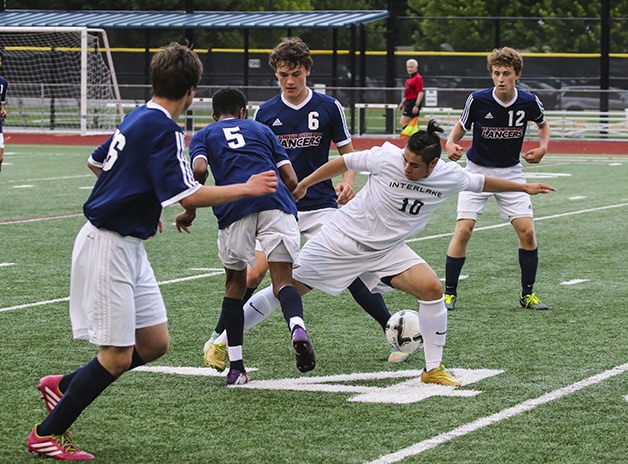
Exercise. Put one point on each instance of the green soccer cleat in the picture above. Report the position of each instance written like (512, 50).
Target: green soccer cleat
(531, 301)
(211, 341)
(397, 356)
(450, 301)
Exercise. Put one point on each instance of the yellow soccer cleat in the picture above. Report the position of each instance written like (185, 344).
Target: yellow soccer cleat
(216, 356)
(439, 376)
(450, 301)
(532, 301)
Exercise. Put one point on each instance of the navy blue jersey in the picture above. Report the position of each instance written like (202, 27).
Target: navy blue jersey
(3, 95)
(306, 132)
(3, 90)
(144, 168)
(235, 149)
(498, 128)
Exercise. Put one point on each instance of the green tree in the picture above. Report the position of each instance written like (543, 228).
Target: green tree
(541, 26)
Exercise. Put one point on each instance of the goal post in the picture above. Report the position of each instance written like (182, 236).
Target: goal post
(61, 79)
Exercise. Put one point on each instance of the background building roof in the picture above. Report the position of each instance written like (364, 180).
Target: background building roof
(328, 19)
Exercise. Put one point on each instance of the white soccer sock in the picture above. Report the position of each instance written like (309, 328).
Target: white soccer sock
(433, 322)
(235, 353)
(259, 307)
(294, 321)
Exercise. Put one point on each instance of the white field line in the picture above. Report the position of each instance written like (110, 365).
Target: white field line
(43, 179)
(67, 298)
(37, 219)
(506, 224)
(200, 276)
(507, 413)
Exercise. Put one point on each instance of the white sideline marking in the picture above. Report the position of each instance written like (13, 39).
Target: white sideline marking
(45, 218)
(67, 298)
(507, 224)
(620, 205)
(38, 303)
(574, 281)
(57, 178)
(462, 277)
(577, 198)
(25, 186)
(197, 371)
(6, 264)
(507, 413)
(545, 175)
(406, 392)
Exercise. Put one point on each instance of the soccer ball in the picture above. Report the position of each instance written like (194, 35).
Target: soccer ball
(403, 331)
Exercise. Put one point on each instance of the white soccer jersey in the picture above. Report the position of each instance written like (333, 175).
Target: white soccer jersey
(391, 208)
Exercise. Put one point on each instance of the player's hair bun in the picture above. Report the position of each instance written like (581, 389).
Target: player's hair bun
(433, 126)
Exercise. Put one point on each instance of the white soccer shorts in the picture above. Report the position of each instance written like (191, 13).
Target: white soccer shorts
(511, 205)
(272, 228)
(331, 261)
(113, 290)
(310, 222)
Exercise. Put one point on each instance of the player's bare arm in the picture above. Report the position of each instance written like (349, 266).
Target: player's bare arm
(257, 186)
(497, 184)
(344, 189)
(288, 176)
(96, 170)
(329, 170)
(535, 155)
(199, 169)
(454, 150)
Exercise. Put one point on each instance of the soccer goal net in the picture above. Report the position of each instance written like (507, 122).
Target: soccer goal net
(61, 79)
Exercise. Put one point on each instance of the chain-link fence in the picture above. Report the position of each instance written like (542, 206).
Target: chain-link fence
(574, 111)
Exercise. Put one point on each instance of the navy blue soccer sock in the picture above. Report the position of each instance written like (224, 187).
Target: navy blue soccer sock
(372, 303)
(291, 303)
(87, 383)
(220, 326)
(65, 381)
(529, 263)
(233, 317)
(453, 268)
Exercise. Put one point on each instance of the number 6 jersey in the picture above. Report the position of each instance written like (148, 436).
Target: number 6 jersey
(306, 132)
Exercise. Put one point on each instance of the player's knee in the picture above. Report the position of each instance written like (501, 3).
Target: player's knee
(431, 289)
(159, 348)
(116, 363)
(463, 233)
(254, 277)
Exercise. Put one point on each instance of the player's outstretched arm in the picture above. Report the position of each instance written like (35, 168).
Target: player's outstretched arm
(497, 184)
(257, 186)
(329, 170)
